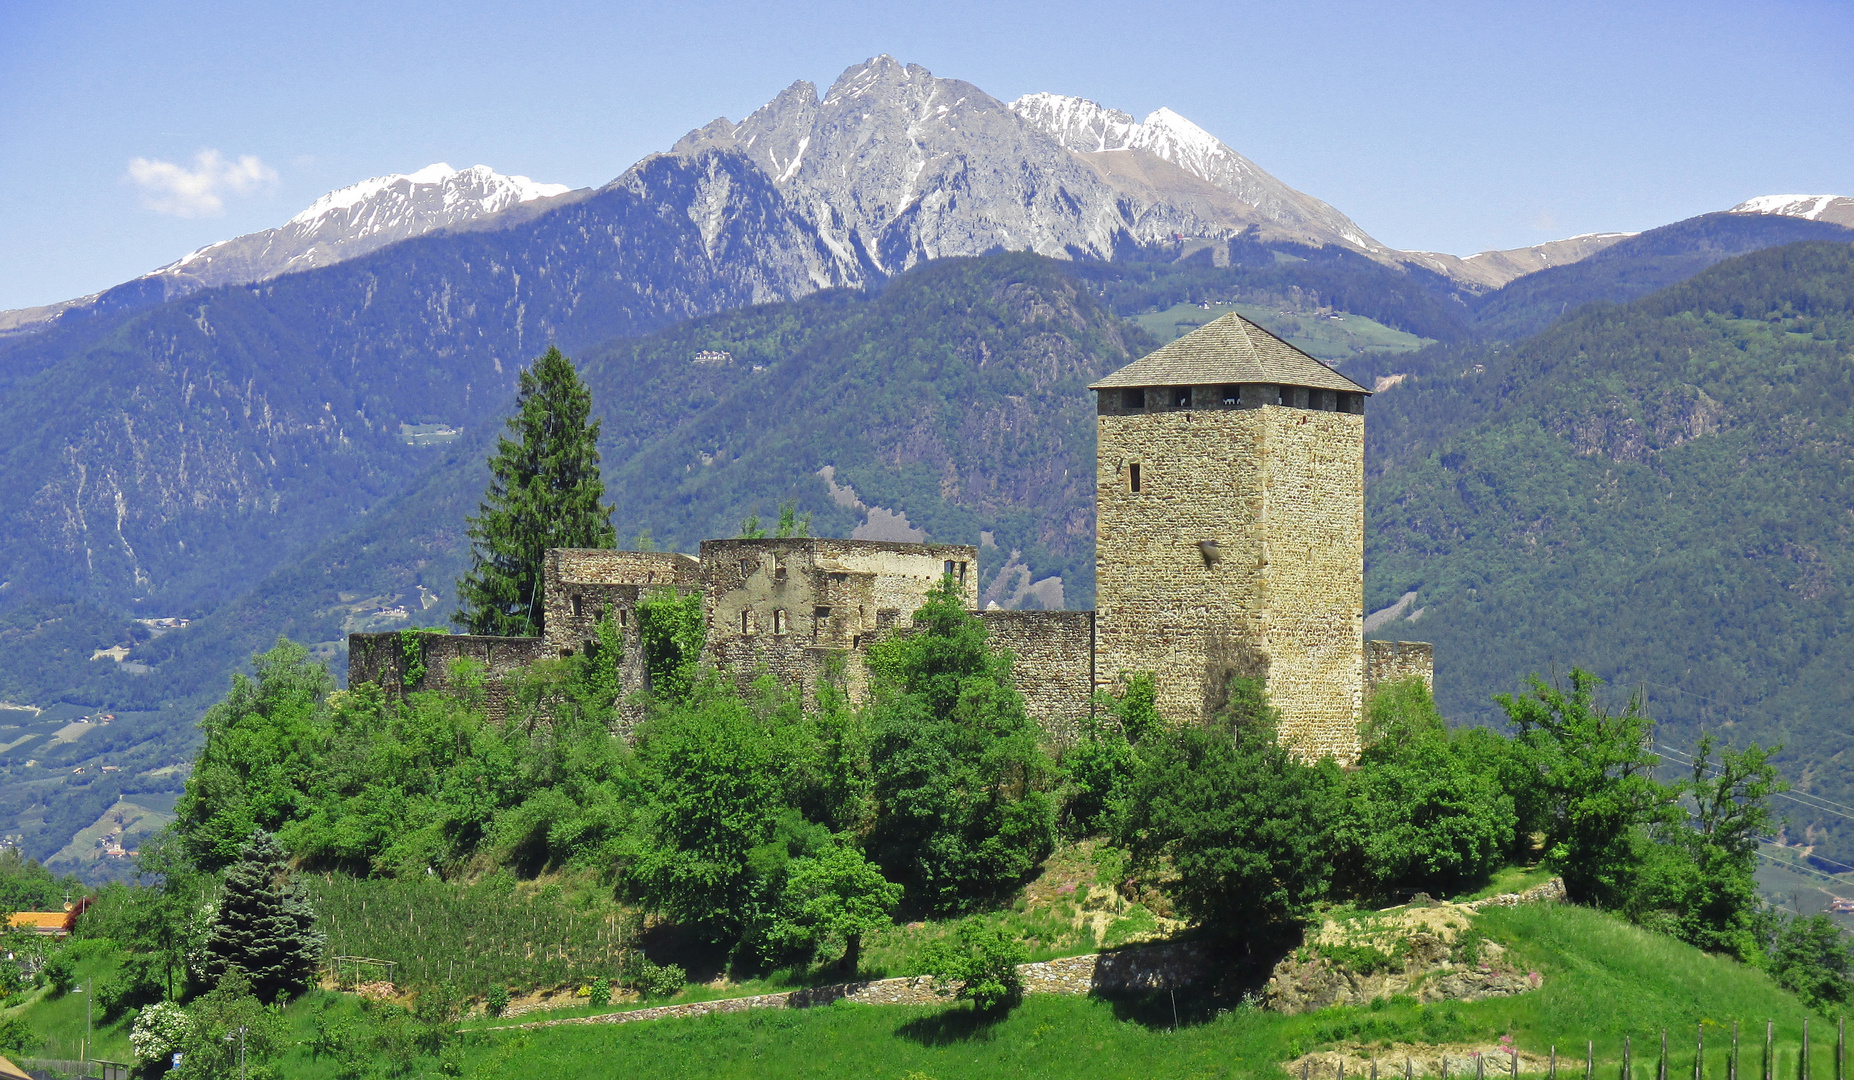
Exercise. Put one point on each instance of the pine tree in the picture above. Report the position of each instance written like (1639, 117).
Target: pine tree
(263, 926)
(544, 492)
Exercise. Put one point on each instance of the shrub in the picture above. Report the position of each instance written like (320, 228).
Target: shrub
(1241, 820)
(1810, 958)
(601, 995)
(497, 1001)
(981, 960)
(61, 973)
(159, 1031)
(959, 778)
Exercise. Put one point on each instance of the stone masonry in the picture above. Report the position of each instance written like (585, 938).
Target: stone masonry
(1229, 544)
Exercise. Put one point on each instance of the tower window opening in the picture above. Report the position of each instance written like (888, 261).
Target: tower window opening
(1181, 397)
(779, 621)
(1329, 400)
(579, 606)
(779, 573)
(1134, 398)
(746, 568)
(947, 570)
(1133, 477)
(746, 621)
(962, 573)
(1232, 395)
(624, 616)
(1286, 395)
(820, 621)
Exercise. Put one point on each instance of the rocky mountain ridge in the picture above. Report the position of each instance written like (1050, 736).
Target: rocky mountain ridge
(341, 225)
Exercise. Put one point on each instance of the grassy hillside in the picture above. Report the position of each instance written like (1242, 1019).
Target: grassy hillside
(1602, 979)
(1658, 492)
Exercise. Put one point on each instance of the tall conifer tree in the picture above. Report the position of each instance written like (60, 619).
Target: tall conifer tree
(544, 492)
(263, 925)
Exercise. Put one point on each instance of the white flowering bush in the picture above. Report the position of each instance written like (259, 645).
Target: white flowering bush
(161, 1029)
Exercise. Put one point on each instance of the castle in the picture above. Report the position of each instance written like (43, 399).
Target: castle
(1230, 518)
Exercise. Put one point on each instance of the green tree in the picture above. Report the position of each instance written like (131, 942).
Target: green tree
(544, 492)
(1418, 812)
(959, 778)
(260, 741)
(1810, 957)
(979, 960)
(836, 892)
(263, 927)
(1696, 878)
(226, 1018)
(1598, 791)
(716, 793)
(1242, 822)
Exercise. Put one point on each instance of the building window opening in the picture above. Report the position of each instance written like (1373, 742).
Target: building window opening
(624, 616)
(1181, 397)
(1232, 395)
(1134, 398)
(779, 572)
(947, 570)
(962, 573)
(579, 606)
(746, 622)
(1328, 401)
(1133, 478)
(746, 568)
(820, 622)
(779, 621)
(1287, 395)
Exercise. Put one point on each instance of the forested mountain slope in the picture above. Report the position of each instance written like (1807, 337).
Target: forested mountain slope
(1660, 492)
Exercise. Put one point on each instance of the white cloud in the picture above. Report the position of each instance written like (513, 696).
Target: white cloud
(199, 191)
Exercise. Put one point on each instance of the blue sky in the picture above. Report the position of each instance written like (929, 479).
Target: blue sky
(1448, 127)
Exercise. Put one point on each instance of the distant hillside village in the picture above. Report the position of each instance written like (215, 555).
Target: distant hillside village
(1229, 544)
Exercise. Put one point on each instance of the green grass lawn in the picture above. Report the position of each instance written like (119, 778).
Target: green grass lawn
(1603, 979)
(1323, 336)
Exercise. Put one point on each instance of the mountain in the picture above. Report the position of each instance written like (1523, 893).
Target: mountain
(1835, 209)
(1656, 491)
(1637, 265)
(340, 225)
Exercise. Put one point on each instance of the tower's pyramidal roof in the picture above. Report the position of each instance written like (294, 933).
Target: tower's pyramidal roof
(1228, 350)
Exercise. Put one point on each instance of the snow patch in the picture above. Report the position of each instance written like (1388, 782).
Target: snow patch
(1810, 207)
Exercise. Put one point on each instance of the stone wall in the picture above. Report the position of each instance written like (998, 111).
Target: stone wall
(796, 608)
(1241, 554)
(381, 659)
(1154, 967)
(1052, 666)
(1389, 661)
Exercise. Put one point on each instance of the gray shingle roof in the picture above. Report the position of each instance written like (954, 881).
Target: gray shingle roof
(1228, 350)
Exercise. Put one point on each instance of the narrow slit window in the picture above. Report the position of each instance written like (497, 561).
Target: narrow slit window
(962, 573)
(947, 570)
(579, 606)
(624, 616)
(1181, 397)
(1134, 398)
(746, 622)
(1287, 395)
(779, 621)
(1133, 477)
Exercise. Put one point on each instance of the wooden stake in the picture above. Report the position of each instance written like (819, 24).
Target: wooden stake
(1699, 1053)
(1661, 1069)
(1770, 1061)
(1409, 1069)
(1841, 1046)
(1731, 1068)
(1628, 1071)
(1553, 1074)
(1590, 1059)
(1805, 1049)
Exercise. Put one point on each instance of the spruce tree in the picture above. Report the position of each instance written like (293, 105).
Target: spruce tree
(263, 926)
(544, 492)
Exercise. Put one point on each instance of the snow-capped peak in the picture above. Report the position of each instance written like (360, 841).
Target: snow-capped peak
(492, 191)
(360, 218)
(1811, 207)
(1080, 124)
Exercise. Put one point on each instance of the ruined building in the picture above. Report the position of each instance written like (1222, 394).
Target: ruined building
(1230, 522)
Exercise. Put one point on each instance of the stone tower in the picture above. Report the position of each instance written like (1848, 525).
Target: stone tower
(1230, 530)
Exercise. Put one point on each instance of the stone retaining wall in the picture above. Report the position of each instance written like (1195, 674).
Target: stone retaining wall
(1154, 968)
